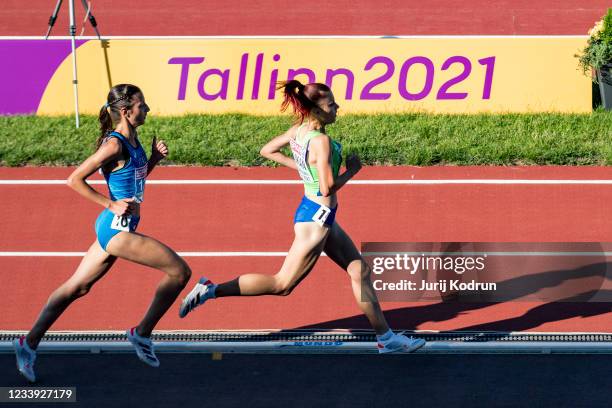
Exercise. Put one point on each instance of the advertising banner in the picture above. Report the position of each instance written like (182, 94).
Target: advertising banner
(368, 75)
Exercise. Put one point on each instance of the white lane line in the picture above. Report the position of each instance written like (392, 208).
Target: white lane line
(186, 254)
(274, 254)
(493, 253)
(354, 182)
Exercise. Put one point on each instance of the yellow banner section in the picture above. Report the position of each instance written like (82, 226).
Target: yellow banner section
(437, 75)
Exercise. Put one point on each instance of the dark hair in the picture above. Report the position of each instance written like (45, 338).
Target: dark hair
(119, 97)
(302, 98)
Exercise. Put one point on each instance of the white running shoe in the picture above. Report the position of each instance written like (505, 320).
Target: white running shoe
(25, 358)
(198, 295)
(143, 346)
(400, 343)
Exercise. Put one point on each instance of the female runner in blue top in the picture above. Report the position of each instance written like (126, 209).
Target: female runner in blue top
(317, 158)
(125, 167)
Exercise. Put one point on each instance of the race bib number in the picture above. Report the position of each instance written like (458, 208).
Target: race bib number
(139, 183)
(121, 223)
(321, 215)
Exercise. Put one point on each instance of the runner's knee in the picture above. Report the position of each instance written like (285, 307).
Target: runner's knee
(185, 273)
(180, 272)
(359, 270)
(283, 287)
(76, 291)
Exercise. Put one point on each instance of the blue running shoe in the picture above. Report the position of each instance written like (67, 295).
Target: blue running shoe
(202, 291)
(143, 346)
(25, 358)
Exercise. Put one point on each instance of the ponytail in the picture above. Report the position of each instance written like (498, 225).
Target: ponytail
(106, 125)
(119, 97)
(302, 98)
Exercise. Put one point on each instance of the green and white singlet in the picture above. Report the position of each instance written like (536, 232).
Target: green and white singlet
(308, 173)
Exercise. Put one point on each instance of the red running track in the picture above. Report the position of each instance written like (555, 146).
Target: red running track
(194, 218)
(315, 17)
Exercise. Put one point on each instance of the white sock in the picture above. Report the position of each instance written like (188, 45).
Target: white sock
(386, 336)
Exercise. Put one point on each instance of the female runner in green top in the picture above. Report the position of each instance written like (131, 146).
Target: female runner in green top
(317, 158)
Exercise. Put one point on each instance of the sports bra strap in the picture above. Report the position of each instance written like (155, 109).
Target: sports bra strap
(115, 134)
(297, 133)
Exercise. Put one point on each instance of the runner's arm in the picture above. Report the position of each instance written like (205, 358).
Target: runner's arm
(272, 150)
(110, 150)
(159, 151)
(320, 147)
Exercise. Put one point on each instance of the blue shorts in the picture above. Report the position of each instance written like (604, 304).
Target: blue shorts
(309, 211)
(105, 230)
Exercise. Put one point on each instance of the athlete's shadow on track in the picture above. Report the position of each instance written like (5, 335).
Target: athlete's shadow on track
(580, 304)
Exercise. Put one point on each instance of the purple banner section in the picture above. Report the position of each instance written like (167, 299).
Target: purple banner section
(27, 67)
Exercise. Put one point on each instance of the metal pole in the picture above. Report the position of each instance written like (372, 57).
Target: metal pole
(53, 18)
(92, 19)
(74, 62)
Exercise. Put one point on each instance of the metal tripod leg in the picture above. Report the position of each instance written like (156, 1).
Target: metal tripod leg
(74, 63)
(53, 18)
(92, 19)
(94, 24)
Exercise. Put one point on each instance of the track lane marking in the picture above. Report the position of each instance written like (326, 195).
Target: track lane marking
(353, 182)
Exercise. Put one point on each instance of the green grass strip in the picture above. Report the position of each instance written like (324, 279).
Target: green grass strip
(407, 139)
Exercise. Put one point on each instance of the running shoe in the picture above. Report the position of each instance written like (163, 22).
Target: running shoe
(198, 295)
(399, 343)
(143, 346)
(25, 358)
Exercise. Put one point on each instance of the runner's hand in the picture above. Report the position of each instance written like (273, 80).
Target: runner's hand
(353, 164)
(159, 149)
(122, 207)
